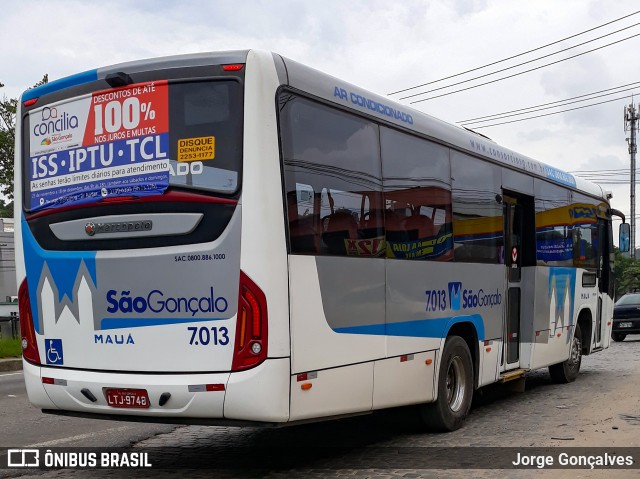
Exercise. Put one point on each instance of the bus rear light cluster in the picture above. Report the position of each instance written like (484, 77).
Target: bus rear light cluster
(251, 330)
(55, 381)
(234, 67)
(27, 329)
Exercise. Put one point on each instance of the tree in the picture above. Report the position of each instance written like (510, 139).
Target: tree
(627, 274)
(7, 144)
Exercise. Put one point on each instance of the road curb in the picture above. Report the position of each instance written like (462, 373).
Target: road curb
(11, 364)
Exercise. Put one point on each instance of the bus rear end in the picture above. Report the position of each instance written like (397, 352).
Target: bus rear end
(140, 287)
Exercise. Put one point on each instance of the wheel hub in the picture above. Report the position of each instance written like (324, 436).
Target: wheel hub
(456, 387)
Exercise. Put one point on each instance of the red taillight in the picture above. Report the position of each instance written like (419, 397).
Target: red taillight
(30, 102)
(255, 313)
(27, 330)
(117, 199)
(251, 331)
(232, 67)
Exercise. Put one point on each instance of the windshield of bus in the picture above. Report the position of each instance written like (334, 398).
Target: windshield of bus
(134, 141)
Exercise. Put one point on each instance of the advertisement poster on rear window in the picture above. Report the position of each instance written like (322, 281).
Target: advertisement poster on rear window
(109, 144)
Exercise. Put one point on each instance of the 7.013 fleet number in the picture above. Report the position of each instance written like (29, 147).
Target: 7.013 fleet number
(205, 335)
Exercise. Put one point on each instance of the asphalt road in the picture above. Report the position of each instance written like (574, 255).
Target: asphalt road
(11, 384)
(22, 425)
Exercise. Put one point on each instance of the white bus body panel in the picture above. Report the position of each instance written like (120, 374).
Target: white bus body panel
(334, 392)
(559, 306)
(314, 345)
(406, 379)
(260, 393)
(264, 252)
(182, 403)
(489, 359)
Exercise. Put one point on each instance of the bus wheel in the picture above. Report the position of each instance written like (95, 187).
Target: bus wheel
(455, 388)
(618, 337)
(567, 371)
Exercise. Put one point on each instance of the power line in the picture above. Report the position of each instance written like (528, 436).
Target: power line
(553, 113)
(610, 182)
(525, 71)
(516, 56)
(559, 103)
(604, 173)
(606, 177)
(548, 107)
(620, 171)
(597, 171)
(519, 64)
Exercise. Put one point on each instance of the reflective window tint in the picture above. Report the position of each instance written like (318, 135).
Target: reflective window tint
(585, 246)
(477, 213)
(554, 240)
(335, 155)
(206, 111)
(417, 192)
(302, 223)
(356, 188)
(584, 212)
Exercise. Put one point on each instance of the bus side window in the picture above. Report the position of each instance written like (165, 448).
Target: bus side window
(304, 236)
(419, 226)
(417, 192)
(340, 226)
(554, 245)
(372, 224)
(337, 155)
(478, 224)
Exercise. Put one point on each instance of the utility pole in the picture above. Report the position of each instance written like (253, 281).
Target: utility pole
(631, 124)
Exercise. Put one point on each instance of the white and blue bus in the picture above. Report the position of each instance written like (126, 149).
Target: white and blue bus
(235, 238)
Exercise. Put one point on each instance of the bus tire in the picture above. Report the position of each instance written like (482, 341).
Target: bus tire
(567, 371)
(455, 388)
(618, 337)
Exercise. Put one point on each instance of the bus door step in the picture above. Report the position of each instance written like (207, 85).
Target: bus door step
(512, 375)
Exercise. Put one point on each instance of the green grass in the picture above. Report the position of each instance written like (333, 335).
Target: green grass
(10, 348)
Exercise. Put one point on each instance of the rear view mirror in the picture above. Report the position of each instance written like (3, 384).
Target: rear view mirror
(623, 239)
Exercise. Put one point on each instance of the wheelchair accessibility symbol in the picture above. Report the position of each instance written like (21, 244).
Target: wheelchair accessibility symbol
(54, 351)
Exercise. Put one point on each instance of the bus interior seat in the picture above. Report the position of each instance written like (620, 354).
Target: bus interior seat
(340, 225)
(372, 226)
(419, 227)
(304, 237)
(394, 228)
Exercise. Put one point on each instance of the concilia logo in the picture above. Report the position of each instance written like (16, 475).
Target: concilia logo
(53, 123)
(157, 302)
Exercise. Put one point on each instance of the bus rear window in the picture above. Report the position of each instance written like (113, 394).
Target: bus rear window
(206, 132)
(137, 140)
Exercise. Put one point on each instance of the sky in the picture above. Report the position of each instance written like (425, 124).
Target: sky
(379, 45)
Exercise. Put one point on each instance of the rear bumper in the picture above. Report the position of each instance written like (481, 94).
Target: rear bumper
(260, 394)
(633, 329)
